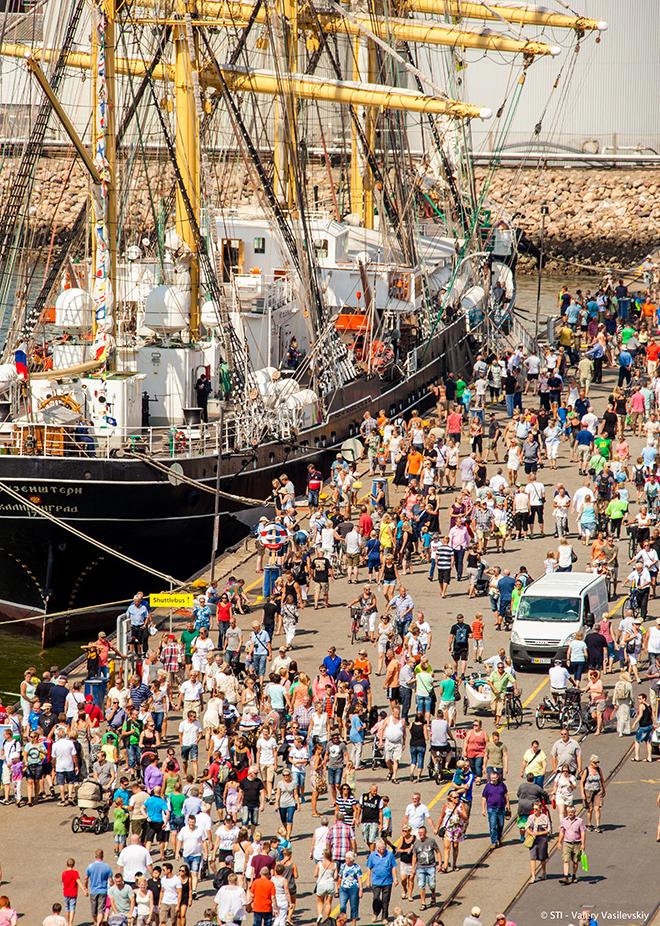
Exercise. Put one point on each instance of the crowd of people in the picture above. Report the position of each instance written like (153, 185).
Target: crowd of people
(209, 740)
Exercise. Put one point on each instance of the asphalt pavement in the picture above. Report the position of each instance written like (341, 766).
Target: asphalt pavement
(36, 841)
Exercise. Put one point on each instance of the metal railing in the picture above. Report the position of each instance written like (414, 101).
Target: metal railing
(25, 439)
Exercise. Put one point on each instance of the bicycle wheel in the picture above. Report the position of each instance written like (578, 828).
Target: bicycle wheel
(517, 714)
(572, 720)
(540, 718)
(353, 633)
(466, 706)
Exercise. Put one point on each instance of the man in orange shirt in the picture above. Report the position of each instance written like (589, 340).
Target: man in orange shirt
(414, 464)
(652, 354)
(262, 897)
(648, 313)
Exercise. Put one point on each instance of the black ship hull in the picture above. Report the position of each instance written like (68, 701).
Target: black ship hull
(137, 510)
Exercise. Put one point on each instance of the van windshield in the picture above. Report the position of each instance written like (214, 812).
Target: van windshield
(535, 608)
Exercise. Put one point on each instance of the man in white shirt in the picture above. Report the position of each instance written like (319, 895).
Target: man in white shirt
(590, 421)
(191, 844)
(417, 814)
(639, 581)
(230, 901)
(559, 679)
(190, 694)
(498, 482)
(190, 732)
(533, 368)
(65, 763)
(536, 492)
(353, 546)
(132, 859)
(170, 895)
(424, 631)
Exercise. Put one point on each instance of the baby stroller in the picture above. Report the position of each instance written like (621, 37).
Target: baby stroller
(377, 757)
(478, 694)
(89, 798)
(481, 580)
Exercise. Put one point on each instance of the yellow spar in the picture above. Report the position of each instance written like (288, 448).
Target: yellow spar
(403, 30)
(526, 15)
(269, 84)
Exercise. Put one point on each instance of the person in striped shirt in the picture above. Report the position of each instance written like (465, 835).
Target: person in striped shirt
(444, 557)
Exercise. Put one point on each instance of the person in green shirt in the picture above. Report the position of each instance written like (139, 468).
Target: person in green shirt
(616, 511)
(120, 822)
(603, 445)
(516, 595)
(460, 389)
(175, 801)
(499, 680)
(424, 679)
(627, 332)
(188, 637)
(596, 464)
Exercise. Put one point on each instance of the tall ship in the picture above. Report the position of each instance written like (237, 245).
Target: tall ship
(227, 229)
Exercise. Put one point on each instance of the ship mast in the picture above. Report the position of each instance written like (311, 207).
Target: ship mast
(104, 202)
(187, 148)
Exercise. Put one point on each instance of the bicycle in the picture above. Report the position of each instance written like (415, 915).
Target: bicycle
(576, 718)
(337, 564)
(358, 623)
(632, 540)
(513, 710)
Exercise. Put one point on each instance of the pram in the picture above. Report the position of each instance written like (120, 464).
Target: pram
(481, 580)
(90, 797)
(477, 694)
(377, 756)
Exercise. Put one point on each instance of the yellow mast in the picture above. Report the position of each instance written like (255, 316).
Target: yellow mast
(187, 156)
(370, 134)
(285, 107)
(357, 190)
(268, 83)
(527, 15)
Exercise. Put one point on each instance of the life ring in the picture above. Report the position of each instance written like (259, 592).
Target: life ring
(180, 441)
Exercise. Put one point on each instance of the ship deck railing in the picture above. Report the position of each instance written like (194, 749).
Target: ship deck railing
(28, 439)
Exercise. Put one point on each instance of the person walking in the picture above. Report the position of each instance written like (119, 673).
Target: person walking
(349, 883)
(495, 805)
(381, 877)
(572, 842)
(537, 833)
(325, 876)
(644, 723)
(592, 785)
(98, 877)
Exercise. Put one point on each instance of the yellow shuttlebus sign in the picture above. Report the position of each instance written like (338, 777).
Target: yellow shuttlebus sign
(171, 600)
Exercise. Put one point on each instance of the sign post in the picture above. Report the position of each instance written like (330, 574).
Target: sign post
(172, 600)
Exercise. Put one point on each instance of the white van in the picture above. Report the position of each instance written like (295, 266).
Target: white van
(551, 611)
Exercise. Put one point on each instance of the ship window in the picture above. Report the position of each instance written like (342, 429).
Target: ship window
(259, 245)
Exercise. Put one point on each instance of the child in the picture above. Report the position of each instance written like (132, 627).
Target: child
(282, 842)
(434, 545)
(16, 775)
(381, 459)
(478, 636)
(426, 536)
(71, 884)
(119, 824)
(349, 775)
(386, 832)
(550, 562)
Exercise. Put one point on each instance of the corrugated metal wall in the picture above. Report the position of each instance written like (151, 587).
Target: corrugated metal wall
(613, 95)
